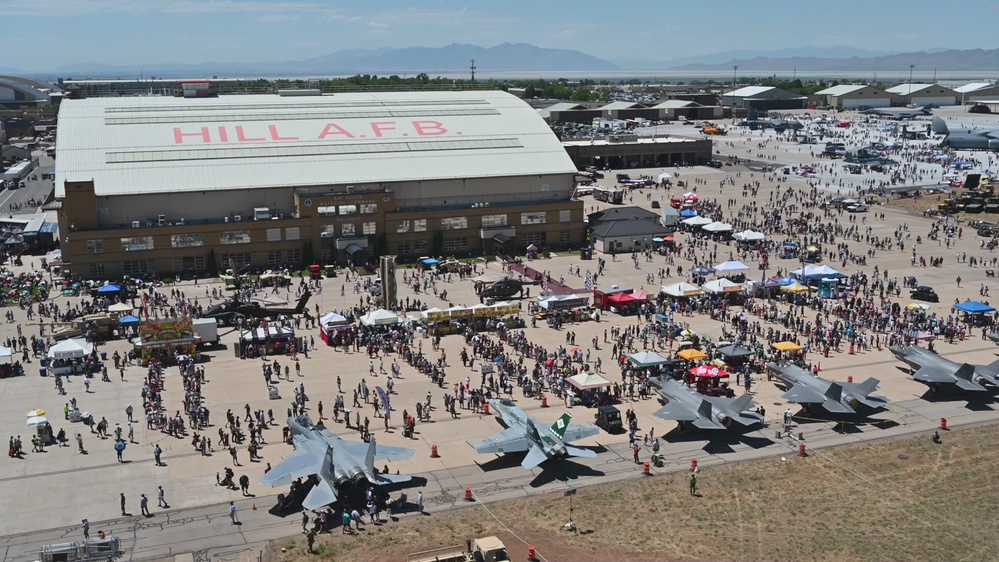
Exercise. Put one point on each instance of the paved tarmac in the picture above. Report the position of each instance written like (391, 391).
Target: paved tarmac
(61, 487)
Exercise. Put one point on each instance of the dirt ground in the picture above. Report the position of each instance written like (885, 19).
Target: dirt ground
(906, 499)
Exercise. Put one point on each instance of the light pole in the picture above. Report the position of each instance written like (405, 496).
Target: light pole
(735, 67)
(911, 66)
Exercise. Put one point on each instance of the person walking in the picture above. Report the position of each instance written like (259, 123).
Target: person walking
(693, 483)
(232, 513)
(157, 451)
(86, 529)
(144, 505)
(161, 498)
(305, 520)
(123, 514)
(419, 503)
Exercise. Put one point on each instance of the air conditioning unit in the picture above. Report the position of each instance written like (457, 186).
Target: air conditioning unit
(180, 222)
(136, 224)
(226, 219)
(161, 220)
(237, 218)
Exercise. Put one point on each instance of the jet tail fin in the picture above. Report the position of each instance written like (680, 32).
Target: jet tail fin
(558, 428)
(940, 126)
(741, 403)
(834, 392)
(321, 495)
(369, 456)
(534, 457)
(868, 386)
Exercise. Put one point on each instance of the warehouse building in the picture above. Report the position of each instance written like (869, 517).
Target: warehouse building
(181, 186)
(621, 152)
(924, 94)
(978, 91)
(855, 96)
(763, 98)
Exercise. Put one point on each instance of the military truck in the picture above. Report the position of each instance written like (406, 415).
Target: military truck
(484, 549)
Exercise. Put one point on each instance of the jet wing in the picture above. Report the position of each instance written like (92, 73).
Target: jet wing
(301, 462)
(358, 450)
(801, 395)
(580, 452)
(934, 375)
(509, 440)
(707, 423)
(747, 418)
(534, 458)
(676, 412)
(575, 432)
(837, 407)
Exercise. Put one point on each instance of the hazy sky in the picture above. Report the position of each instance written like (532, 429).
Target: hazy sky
(44, 35)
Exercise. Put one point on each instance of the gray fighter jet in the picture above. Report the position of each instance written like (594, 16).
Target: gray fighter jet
(686, 405)
(336, 462)
(898, 112)
(809, 390)
(969, 139)
(934, 371)
(525, 433)
(779, 125)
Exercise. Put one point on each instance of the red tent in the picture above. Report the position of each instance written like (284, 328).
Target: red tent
(623, 299)
(709, 371)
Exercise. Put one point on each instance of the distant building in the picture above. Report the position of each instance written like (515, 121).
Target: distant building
(977, 91)
(670, 110)
(924, 94)
(855, 96)
(763, 98)
(23, 92)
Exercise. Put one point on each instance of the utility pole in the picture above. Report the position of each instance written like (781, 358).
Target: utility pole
(472, 68)
(934, 75)
(911, 66)
(735, 67)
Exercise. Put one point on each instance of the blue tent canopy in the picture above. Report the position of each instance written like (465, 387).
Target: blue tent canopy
(686, 213)
(974, 307)
(785, 281)
(109, 289)
(430, 261)
(128, 320)
(701, 270)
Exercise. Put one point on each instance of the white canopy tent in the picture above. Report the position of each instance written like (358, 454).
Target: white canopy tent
(665, 176)
(380, 317)
(749, 236)
(697, 221)
(120, 307)
(730, 267)
(584, 381)
(682, 290)
(721, 286)
(71, 349)
(717, 227)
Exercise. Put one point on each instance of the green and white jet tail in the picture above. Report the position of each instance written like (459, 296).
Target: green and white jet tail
(558, 428)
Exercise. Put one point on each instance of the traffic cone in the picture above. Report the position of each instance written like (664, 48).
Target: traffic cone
(254, 507)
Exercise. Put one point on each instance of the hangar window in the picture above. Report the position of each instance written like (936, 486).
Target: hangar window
(136, 243)
(492, 221)
(97, 270)
(537, 238)
(455, 244)
(234, 261)
(326, 211)
(421, 247)
(273, 234)
(193, 263)
(228, 237)
(292, 233)
(369, 228)
(327, 231)
(420, 225)
(293, 256)
(138, 267)
(275, 257)
(403, 248)
(533, 218)
(402, 226)
(348, 210)
(454, 223)
(565, 215)
(565, 236)
(348, 229)
(369, 208)
(95, 246)
(192, 240)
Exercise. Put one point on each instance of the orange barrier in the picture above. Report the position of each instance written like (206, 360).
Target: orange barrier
(943, 423)
(693, 465)
(544, 401)
(468, 494)
(485, 408)
(801, 450)
(647, 469)
(433, 452)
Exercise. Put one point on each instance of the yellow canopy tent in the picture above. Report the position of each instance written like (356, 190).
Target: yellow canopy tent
(795, 288)
(787, 346)
(692, 354)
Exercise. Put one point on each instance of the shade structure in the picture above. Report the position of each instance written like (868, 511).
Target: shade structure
(6, 352)
(128, 320)
(120, 307)
(785, 281)
(735, 351)
(721, 286)
(37, 420)
(34, 413)
(917, 306)
(687, 213)
(332, 318)
(697, 221)
(70, 349)
(691, 196)
(786, 346)
(749, 236)
(109, 289)
(430, 261)
(658, 239)
(682, 290)
(380, 317)
(586, 381)
(665, 176)
(647, 359)
(692, 354)
(708, 371)
(974, 307)
(701, 270)
(794, 288)
(820, 271)
(718, 227)
(730, 267)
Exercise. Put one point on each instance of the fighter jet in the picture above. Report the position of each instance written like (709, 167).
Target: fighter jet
(779, 125)
(686, 405)
(898, 112)
(967, 139)
(525, 433)
(933, 370)
(807, 389)
(335, 462)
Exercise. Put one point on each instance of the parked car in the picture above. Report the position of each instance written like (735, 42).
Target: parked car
(655, 203)
(715, 163)
(857, 208)
(924, 293)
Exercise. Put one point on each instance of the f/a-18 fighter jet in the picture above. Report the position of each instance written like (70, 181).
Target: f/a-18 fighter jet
(809, 390)
(525, 433)
(934, 370)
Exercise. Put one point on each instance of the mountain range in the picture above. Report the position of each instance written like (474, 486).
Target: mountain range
(522, 57)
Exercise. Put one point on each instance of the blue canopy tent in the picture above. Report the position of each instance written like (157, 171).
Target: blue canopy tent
(687, 213)
(785, 281)
(109, 289)
(128, 320)
(974, 307)
(430, 261)
(701, 270)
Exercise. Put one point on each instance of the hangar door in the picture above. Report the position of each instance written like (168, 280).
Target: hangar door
(852, 103)
(936, 100)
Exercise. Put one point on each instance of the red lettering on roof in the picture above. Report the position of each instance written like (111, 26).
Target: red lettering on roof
(429, 128)
(332, 129)
(178, 135)
(379, 126)
(241, 136)
(277, 137)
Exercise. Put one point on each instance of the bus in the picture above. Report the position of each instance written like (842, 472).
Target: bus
(613, 195)
(17, 173)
